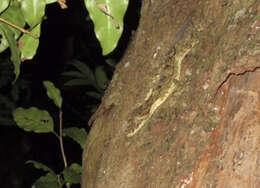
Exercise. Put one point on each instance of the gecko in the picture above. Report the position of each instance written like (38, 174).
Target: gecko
(177, 38)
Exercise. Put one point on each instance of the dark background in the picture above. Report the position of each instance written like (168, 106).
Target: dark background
(66, 34)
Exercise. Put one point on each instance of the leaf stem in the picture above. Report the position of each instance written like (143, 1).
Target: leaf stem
(61, 142)
(62, 4)
(18, 28)
(62, 147)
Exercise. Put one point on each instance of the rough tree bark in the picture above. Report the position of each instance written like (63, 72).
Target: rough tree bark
(183, 108)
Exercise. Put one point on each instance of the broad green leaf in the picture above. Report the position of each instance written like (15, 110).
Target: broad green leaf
(108, 17)
(72, 174)
(82, 67)
(53, 93)
(50, 1)
(14, 16)
(3, 5)
(15, 53)
(29, 44)
(33, 119)
(76, 167)
(33, 11)
(94, 95)
(74, 74)
(47, 181)
(39, 166)
(78, 82)
(78, 135)
(101, 77)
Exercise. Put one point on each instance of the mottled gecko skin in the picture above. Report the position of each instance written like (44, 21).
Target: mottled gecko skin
(181, 33)
(102, 108)
(177, 38)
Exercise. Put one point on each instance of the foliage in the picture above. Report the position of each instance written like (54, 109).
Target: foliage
(47, 181)
(40, 121)
(20, 25)
(84, 76)
(33, 119)
(13, 19)
(20, 30)
(53, 93)
(72, 173)
(10, 96)
(108, 20)
(76, 134)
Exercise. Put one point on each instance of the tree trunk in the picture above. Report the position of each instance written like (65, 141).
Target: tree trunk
(183, 108)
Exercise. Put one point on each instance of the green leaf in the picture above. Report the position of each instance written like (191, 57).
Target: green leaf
(108, 17)
(78, 82)
(33, 11)
(13, 15)
(94, 95)
(15, 53)
(50, 1)
(39, 166)
(47, 181)
(33, 119)
(78, 135)
(72, 174)
(4, 4)
(101, 77)
(85, 70)
(76, 167)
(53, 93)
(74, 74)
(29, 44)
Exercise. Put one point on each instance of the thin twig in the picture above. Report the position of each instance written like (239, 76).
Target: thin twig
(18, 28)
(61, 143)
(62, 4)
(59, 180)
(62, 147)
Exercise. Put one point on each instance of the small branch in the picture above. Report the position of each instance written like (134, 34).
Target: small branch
(62, 147)
(18, 28)
(61, 143)
(62, 4)
(59, 180)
